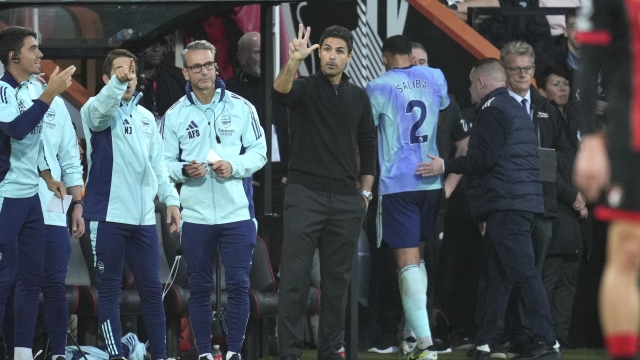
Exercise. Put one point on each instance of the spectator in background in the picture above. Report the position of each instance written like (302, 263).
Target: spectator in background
(562, 266)
(247, 85)
(161, 83)
(565, 52)
(502, 29)
(419, 55)
(557, 22)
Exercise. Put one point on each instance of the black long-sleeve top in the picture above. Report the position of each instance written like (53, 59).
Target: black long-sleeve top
(329, 126)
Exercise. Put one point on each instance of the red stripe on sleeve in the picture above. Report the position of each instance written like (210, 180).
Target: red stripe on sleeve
(594, 37)
(604, 213)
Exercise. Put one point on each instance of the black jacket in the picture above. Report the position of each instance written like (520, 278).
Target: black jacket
(549, 130)
(567, 234)
(169, 88)
(329, 127)
(502, 159)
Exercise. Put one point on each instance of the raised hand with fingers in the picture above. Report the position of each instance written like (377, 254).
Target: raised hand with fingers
(59, 82)
(126, 73)
(299, 48)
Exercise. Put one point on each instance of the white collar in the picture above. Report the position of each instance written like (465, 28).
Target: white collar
(519, 98)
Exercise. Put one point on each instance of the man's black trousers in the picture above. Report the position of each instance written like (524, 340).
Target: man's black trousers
(332, 223)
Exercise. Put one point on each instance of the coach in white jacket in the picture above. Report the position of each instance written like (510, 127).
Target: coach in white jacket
(213, 143)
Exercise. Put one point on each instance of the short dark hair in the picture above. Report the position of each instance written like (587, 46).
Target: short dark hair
(571, 13)
(12, 39)
(417, 45)
(397, 45)
(543, 77)
(114, 54)
(338, 32)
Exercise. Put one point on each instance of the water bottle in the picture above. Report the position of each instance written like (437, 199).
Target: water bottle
(217, 355)
(122, 36)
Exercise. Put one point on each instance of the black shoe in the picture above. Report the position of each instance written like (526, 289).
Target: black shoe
(235, 357)
(439, 347)
(539, 351)
(476, 354)
(517, 347)
(460, 341)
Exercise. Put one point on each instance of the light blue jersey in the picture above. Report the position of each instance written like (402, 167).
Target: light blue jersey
(406, 103)
(125, 155)
(21, 148)
(191, 129)
(61, 149)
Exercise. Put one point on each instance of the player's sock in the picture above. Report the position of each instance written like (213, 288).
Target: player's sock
(622, 346)
(413, 291)
(423, 271)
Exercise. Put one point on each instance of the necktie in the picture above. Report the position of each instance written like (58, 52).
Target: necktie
(524, 103)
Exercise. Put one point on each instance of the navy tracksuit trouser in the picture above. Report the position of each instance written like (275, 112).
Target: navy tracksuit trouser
(139, 243)
(22, 248)
(236, 242)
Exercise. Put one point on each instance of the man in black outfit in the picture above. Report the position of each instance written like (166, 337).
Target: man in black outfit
(161, 83)
(504, 191)
(331, 125)
(247, 85)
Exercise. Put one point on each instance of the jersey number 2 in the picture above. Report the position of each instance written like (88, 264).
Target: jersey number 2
(414, 138)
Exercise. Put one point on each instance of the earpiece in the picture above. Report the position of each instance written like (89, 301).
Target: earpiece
(15, 58)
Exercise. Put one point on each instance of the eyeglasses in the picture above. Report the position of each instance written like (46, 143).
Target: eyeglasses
(515, 70)
(197, 68)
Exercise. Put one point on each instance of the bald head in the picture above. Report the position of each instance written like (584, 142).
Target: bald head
(249, 53)
(486, 75)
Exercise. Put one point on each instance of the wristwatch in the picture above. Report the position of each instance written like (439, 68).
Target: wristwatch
(367, 194)
(76, 202)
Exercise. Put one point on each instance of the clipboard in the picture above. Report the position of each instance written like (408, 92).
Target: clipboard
(548, 162)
